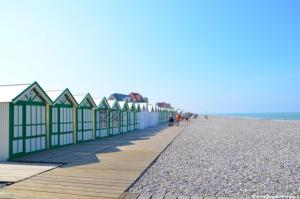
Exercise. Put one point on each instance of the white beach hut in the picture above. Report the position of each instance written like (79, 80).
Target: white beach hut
(124, 112)
(23, 123)
(137, 118)
(114, 117)
(143, 116)
(102, 118)
(132, 115)
(85, 118)
(62, 118)
(150, 116)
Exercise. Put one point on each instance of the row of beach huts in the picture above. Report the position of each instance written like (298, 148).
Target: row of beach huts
(32, 119)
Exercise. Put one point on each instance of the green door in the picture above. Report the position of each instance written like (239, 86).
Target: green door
(102, 123)
(114, 120)
(85, 124)
(29, 128)
(61, 125)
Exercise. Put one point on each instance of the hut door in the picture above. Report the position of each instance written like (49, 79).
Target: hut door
(35, 137)
(17, 138)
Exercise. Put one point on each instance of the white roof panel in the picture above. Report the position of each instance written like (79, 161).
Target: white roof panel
(9, 92)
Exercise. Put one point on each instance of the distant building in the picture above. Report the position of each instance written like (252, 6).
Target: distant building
(163, 105)
(132, 97)
(119, 97)
(136, 97)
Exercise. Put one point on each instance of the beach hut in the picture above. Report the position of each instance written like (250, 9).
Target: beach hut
(102, 118)
(156, 116)
(124, 112)
(150, 116)
(132, 116)
(143, 115)
(85, 118)
(23, 124)
(137, 118)
(161, 115)
(62, 118)
(165, 115)
(114, 117)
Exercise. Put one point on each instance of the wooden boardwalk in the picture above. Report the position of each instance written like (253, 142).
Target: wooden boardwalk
(98, 169)
(11, 172)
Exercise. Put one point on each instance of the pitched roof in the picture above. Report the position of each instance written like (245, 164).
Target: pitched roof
(138, 107)
(56, 94)
(123, 105)
(102, 102)
(114, 104)
(81, 98)
(132, 106)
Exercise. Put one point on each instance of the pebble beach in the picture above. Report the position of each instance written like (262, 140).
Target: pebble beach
(228, 157)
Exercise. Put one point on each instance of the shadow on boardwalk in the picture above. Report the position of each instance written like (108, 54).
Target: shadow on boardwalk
(85, 153)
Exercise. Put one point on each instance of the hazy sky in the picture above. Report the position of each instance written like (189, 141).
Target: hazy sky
(202, 56)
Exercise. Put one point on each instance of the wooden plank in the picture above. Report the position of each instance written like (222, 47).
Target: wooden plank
(13, 172)
(94, 172)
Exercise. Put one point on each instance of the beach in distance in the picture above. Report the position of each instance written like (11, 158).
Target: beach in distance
(268, 116)
(231, 157)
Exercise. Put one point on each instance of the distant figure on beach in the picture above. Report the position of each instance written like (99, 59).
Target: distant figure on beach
(178, 117)
(187, 117)
(171, 120)
(205, 117)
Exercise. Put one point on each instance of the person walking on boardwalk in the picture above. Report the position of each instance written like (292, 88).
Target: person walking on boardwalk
(171, 120)
(178, 117)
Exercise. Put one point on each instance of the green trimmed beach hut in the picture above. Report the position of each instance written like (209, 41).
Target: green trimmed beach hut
(85, 118)
(132, 115)
(160, 115)
(23, 125)
(137, 118)
(62, 118)
(124, 112)
(114, 117)
(102, 118)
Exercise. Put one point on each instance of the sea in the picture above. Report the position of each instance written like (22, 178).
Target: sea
(270, 116)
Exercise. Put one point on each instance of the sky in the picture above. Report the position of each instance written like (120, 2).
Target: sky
(212, 56)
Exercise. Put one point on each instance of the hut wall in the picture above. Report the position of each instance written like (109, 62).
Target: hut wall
(4, 131)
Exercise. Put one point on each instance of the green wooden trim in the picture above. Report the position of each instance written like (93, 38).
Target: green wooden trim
(103, 102)
(115, 106)
(24, 130)
(30, 103)
(90, 100)
(66, 92)
(82, 125)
